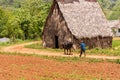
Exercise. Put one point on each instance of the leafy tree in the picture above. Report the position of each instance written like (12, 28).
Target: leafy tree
(111, 8)
(117, 6)
(105, 3)
(116, 11)
(12, 29)
(3, 20)
(34, 13)
(27, 16)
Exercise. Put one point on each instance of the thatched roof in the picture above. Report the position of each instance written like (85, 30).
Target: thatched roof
(113, 23)
(118, 26)
(84, 18)
(67, 1)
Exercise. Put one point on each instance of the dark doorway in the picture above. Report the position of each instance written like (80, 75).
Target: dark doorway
(56, 42)
(119, 30)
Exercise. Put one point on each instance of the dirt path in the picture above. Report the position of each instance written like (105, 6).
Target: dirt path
(21, 49)
(35, 68)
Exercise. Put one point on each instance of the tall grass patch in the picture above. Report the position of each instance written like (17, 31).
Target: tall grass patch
(17, 41)
(115, 43)
(39, 46)
(114, 51)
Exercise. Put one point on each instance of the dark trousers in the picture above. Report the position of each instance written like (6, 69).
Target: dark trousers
(81, 52)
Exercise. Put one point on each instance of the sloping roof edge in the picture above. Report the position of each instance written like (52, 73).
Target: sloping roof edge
(67, 11)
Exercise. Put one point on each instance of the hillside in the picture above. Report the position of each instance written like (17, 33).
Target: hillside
(111, 8)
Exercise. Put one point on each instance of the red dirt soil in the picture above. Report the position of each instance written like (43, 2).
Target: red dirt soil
(34, 68)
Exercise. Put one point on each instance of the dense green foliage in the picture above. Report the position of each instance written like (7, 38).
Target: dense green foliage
(23, 19)
(111, 8)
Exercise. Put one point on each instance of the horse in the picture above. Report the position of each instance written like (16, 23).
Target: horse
(67, 46)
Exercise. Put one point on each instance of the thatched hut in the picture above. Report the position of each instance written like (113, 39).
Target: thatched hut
(117, 29)
(115, 26)
(76, 20)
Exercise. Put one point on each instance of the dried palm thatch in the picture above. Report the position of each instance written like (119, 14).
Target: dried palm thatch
(85, 19)
(118, 26)
(113, 23)
(115, 26)
(67, 1)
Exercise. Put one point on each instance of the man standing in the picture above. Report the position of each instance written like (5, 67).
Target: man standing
(82, 47)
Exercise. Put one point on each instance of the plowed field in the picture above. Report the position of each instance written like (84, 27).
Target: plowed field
(35, 68)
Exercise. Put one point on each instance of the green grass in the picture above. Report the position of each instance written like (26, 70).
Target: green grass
(115, 43)
(22, 78)
(64, 59)
(114, 51)
(108, 52)
(45, 78)
(70, 76)
(18, 41)
(73, 76)
(78, 59)
(39, 46)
